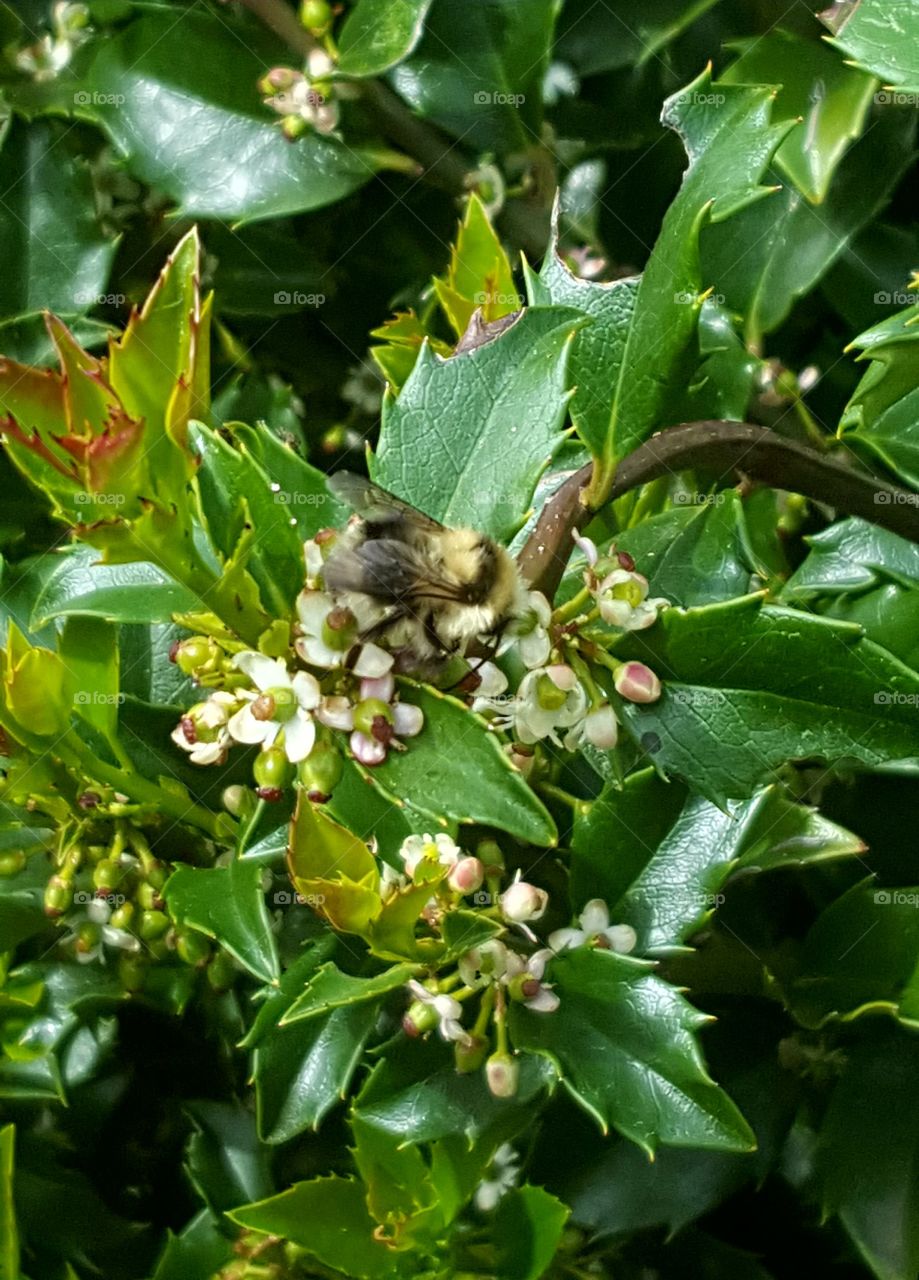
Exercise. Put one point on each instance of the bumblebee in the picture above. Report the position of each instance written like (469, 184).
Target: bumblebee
(410, 580)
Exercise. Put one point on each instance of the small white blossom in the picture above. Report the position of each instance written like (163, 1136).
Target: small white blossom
(426, 848)
(549, 699)
(503, 1173)
(313, 609)
(529, 635)
(595, 930)
(531, 968)
(284, 702)
(623, 600)
(448, 1011)
(204, 731)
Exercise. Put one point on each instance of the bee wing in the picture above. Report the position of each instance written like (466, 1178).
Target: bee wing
(376, 505)
(389, 570)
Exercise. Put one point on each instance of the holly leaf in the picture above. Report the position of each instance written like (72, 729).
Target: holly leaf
(479, 275)
(749, 686)
(199, 1249)
(378, 34)
(624, 1044)
(181, 125)
(57, 257)
(528, 1227)
(870, 1134)
(328, 1218)
(227, 904)
(880, 35)
(660, 856)
(631, 360)
(474, 784)
(492, 96)
(467, 438)
(881, 418)
(79, 586)
(330, 988)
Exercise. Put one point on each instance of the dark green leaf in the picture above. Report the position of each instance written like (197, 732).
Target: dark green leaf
(467, 438)
(79, 584)
(624, 1044)
(379, 33)
(529, 1225)
(330, 989)
(228, 904)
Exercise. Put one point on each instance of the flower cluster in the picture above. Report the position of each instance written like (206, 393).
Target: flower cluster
(508, 968)
(303, 99)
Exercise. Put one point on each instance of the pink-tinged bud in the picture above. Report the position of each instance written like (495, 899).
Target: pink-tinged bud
(601, 727)
(408, 720)
(503, 1075)
(625, 561)
(637, 683)
(466, 875)
(522, 901)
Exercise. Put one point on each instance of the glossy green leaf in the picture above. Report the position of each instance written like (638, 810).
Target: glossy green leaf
(830, 99)
(529, 1225)
(329, 1218)
(881, 35)
(772, 254)
(860, 957)
(625, 1046)
(881, 416)
(182, 125)
(78, 585)
(748, 687)
(238, 500)
(491, 97)
(57, 257)
(329, 989)
(851, 556)
(479, 275)
(400, 1192)
(228, 904)
(295, 485)
(600, 38)
(475, 784)
(659, 856)
(196, 1252)
(379, 33)
(418, 1096)
(224, 1158)
(869, 1136)
(467, 438)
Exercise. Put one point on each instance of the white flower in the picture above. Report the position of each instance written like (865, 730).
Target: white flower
(491, 690)
(623, 600)
(530, 634)
(313, 645)
(595, 929)
(548, 699)
(448, 1011)
(529, 971)
(522, 901)
(425, 848)
(284, 702)
(503, 1172)
(600, 728)
(203, 731)
(484, 964)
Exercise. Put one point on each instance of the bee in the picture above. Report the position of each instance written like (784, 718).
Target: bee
(426, 588)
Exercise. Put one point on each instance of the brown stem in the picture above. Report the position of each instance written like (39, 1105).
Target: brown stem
(733, 448)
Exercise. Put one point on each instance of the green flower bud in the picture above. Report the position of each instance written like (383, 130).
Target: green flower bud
(122, 917)
(58, 896)
(88, 936)
(469, 1057)
(321, 771)
(316, 16)
(503, 1075)
(367, 713)
(11, 863)
(195, 655)
(419, 1019)
(272, 770)
(153, 924)
(148, 897)
(193, 948)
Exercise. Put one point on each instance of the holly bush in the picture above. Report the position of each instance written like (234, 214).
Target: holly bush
(585, 944)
